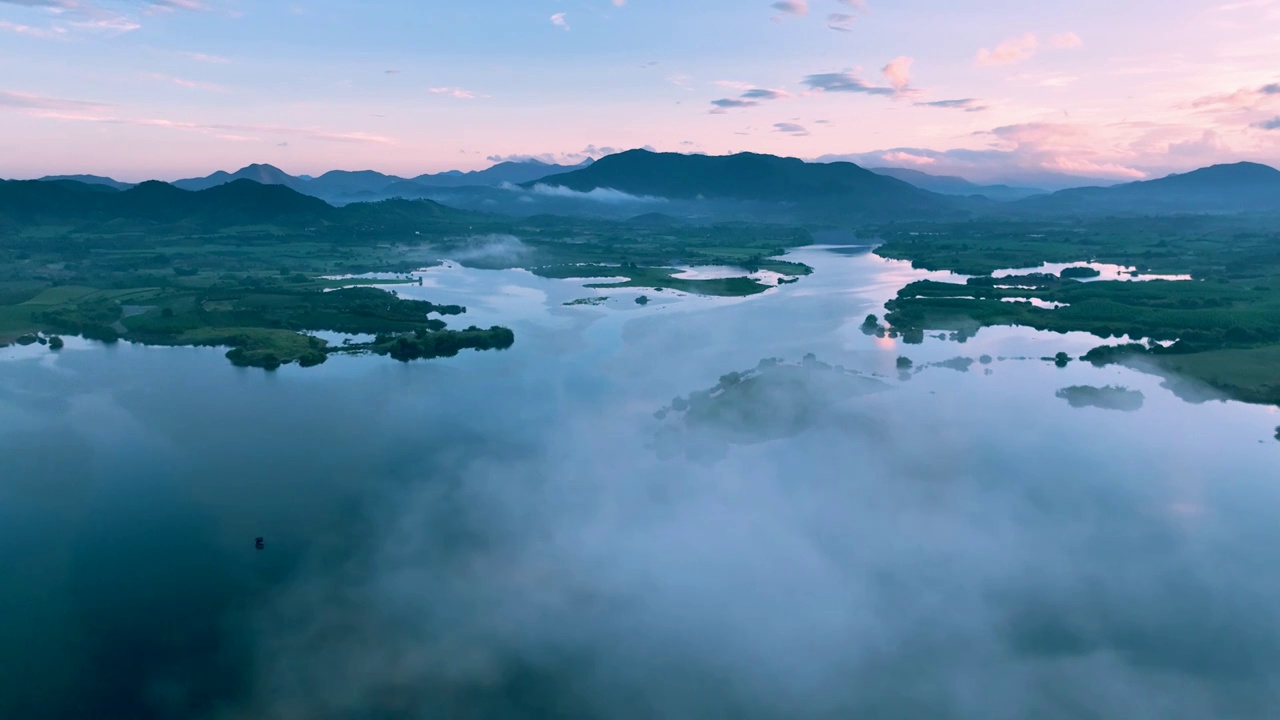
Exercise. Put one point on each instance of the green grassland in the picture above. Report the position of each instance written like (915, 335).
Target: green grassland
(1221, 329)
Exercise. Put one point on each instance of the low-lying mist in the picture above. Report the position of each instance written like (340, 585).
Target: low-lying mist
(488, 250)
(878, 565)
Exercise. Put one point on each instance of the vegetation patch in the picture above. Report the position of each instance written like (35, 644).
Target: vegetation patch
(771, 401)
(1220, 330)
(1106, 398)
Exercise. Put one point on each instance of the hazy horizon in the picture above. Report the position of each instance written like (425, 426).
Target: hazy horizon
(1046, 181)
(177, 88)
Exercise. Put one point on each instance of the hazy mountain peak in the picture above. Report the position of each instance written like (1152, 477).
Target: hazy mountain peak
(89, 180)
(1241, 171)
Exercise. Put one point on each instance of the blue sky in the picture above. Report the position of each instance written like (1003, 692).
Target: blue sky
(990, 89)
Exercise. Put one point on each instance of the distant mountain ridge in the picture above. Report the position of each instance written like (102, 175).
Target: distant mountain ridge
(747, 181)
(262, 174)
(954, 185)
(514, 172)
(1230, 188)
(833, 187)
(89, 180)
(238, 203)
(342, 186)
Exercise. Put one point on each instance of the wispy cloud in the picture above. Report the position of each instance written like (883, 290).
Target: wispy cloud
(726, 103)
(1272, 124)
(560, 20)
(900, 157)
(184, 82)
(1242, 99)
(966, 104)
(53, 33)
(845, 82)
(11, 99)
(841, 22)
(453, 92)
(1009, 52)
(765, 94)
(85, 112)
(751, 96)
(1066, 41)
(1244, 5)
(792, 7)
(93, 16)
(790, 128)
(205, 58)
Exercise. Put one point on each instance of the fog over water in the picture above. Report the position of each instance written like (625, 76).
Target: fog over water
(494, 536)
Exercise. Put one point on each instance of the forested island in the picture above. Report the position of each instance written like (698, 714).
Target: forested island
(1219, 329)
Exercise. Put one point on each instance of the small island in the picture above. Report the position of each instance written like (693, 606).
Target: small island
(1081, 272)
(593, 301)
(1106, 398)
(266, 325)
(773, 400)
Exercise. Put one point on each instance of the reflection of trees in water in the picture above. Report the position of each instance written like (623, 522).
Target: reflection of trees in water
(772, 401)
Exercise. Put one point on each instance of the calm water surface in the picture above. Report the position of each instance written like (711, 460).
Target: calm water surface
(491, 535)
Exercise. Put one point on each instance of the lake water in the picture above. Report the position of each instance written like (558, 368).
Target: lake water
(493, 536)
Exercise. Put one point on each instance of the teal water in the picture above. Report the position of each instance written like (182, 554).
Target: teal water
(492, 536)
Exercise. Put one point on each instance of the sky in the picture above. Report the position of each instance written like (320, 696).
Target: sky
(994, 90)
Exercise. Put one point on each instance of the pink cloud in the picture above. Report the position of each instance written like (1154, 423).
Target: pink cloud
(184, 82)
(898, 157)
(1061, 147)
(216, 129)
(49, 34)
(898, 71)
(1009, 52)
(1083, 166)
(1066, 41)
(28, 101)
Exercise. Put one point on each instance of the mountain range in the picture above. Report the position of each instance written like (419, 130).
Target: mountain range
(344, 186)
(637, 182)
(842, 188)
(952, 185)
(96, 207)
(1235, 188)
